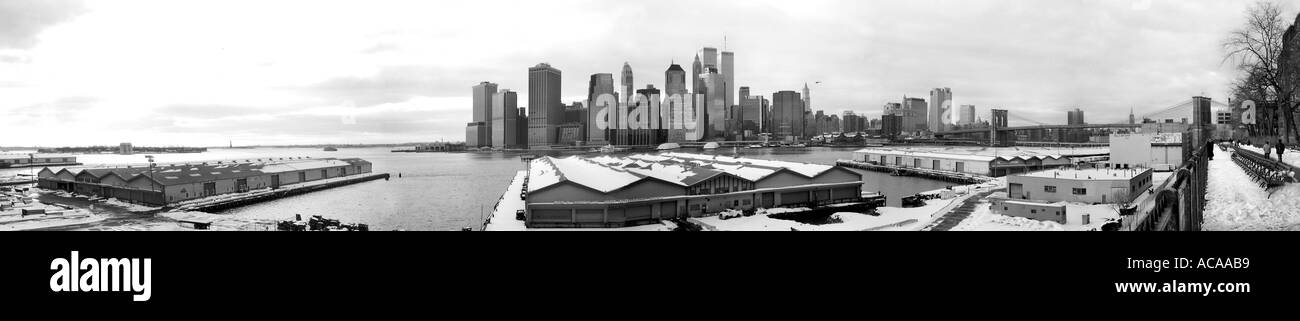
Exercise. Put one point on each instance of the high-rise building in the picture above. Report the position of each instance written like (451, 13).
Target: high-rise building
(675, 80)
(788, 115)
(545, 110)
(916, 121)
(521, 127)
(697, 69)
(626, 84)
(807, 98)
(1074, 117)
(729, 75)
(716, 110)
(602, 83)
(651, 131)
(753, 113)
(573, 129)
(940, 113)
(478, 133)
(967, 115)
(891, 125)
(505, 119)
(1075, 135)
(710, 57)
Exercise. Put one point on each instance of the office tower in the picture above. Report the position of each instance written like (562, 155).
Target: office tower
(891, 125)
(967, 116)
(788, 115)
(807, 98)
(753, 113)
(940, 113)
(710, 57)
(836, 123)
(729, 75)
(849, 118)
(715, 112)
(675, 80)
(916, 120)
(626, 84)
(1132, 120)
(1074, 117)
(602, 83)
(651, 130)
(573, 129)
(1075, 135)
(478, 133)
(521, 127)
(697, 69)
(545, 109)
(504, 119)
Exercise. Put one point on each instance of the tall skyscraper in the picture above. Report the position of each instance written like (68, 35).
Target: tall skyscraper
(753, 113)
(602, 83)
(1074, 117)
(478, 133)
(675, 80)
(807, 98)
(729, 75)
(940, 114)
(697, 69)
(916, 121)
(788, 115)
(504, 119)
(710, 57)
(652, 132)
(626, 84)
(967, 116)
(545, 110)
(715, 111)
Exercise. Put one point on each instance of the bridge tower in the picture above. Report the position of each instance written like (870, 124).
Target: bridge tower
(999, 120)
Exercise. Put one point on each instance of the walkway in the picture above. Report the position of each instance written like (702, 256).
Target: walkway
(955, 216)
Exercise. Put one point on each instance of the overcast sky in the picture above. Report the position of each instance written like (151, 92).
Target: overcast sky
(200, 73)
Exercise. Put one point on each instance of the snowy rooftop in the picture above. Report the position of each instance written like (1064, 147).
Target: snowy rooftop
(984, 154)
(607, 173)
(1088, 173)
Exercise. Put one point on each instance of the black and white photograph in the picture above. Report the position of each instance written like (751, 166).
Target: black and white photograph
(1111, 122)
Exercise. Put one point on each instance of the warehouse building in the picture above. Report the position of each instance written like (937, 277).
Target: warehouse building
(992, 162)
(1089, 186)
(610, 191)
(167, 184)
(29, 160)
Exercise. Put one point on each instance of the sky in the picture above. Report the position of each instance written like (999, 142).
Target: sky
(205, 73)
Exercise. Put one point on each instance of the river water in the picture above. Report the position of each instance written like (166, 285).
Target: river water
(447, 191)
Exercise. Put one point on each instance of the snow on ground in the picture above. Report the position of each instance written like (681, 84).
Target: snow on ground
(49, 221)
(983, 219)
(1235, 202)
(890, 218)
(1291, 156)
(128, 206)
(503, 217)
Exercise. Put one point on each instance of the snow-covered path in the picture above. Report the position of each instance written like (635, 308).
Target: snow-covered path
(1235, 202)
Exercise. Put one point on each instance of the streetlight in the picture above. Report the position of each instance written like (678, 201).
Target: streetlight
(152, 181)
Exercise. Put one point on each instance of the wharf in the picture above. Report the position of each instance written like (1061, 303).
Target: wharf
(946, 176)
(224, 202)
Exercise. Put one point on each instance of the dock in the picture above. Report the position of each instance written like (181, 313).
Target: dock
(947, 176)
(225, 203)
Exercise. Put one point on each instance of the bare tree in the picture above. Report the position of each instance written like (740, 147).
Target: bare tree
(1257, 49)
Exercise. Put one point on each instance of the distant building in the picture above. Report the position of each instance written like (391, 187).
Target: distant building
(940, 112)
(546, 111)
(978, 161)
(697, 69)
(600, 84)
(753, 113)
(891, 125)
(125, 149)
(715, 112)
(644, 189)
(728, 71)
(675, 80)
(29, 160)
(505, 120)
(478, 132)
(168, 184)
(787, 115)
(967, 115)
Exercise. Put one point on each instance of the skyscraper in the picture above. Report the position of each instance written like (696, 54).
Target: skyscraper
(753, 113)
(788, 115)
(697, 69)
(1074, 117)
(710, 57)
(967, 116)
(807, 98)
(626, 84)
(546, 111)
(504, 120)
(651, 132)
(602, 83)
(729, 75)
(916, 120)
(675, 80)
(715, 112)
(940, 114)
(478, 133)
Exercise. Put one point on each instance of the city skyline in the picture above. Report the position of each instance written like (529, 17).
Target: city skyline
(390, 72)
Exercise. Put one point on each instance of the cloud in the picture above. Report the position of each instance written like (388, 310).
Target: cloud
(22, 20)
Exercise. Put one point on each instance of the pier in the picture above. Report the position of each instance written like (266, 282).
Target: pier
(946, 176)
(229, 202)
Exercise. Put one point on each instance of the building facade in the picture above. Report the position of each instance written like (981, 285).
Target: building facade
(545, 110)
(505, 121)
(1088, 186)
(479, 130)
(788, 115)
(940, 112)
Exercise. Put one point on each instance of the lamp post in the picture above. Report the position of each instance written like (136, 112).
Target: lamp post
(152, 181)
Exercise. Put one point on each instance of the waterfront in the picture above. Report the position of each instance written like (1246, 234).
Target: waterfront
(443, 191)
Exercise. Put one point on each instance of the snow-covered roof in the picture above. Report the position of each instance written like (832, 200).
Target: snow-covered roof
(1088, 173)
(607, 173)
(985, 154)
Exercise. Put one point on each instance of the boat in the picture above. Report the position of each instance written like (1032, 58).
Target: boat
(755, 146)
(331, 149)
(668, 146)
(711, 145)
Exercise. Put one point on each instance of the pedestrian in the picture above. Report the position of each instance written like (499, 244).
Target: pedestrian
(1280, 148)
(1209, 150)
(1267, 150)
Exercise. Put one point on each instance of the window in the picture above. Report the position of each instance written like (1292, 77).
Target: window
(936, 164)
(1049, 189)
(898, 161)
(1080, 191)
(745, 202)
(1033, 211)
(961, 167)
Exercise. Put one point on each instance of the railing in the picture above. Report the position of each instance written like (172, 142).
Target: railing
(1268, 173)
(1176, 205)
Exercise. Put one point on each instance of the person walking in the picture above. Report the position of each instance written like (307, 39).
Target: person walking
(1268, 150)
(1280, 148)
